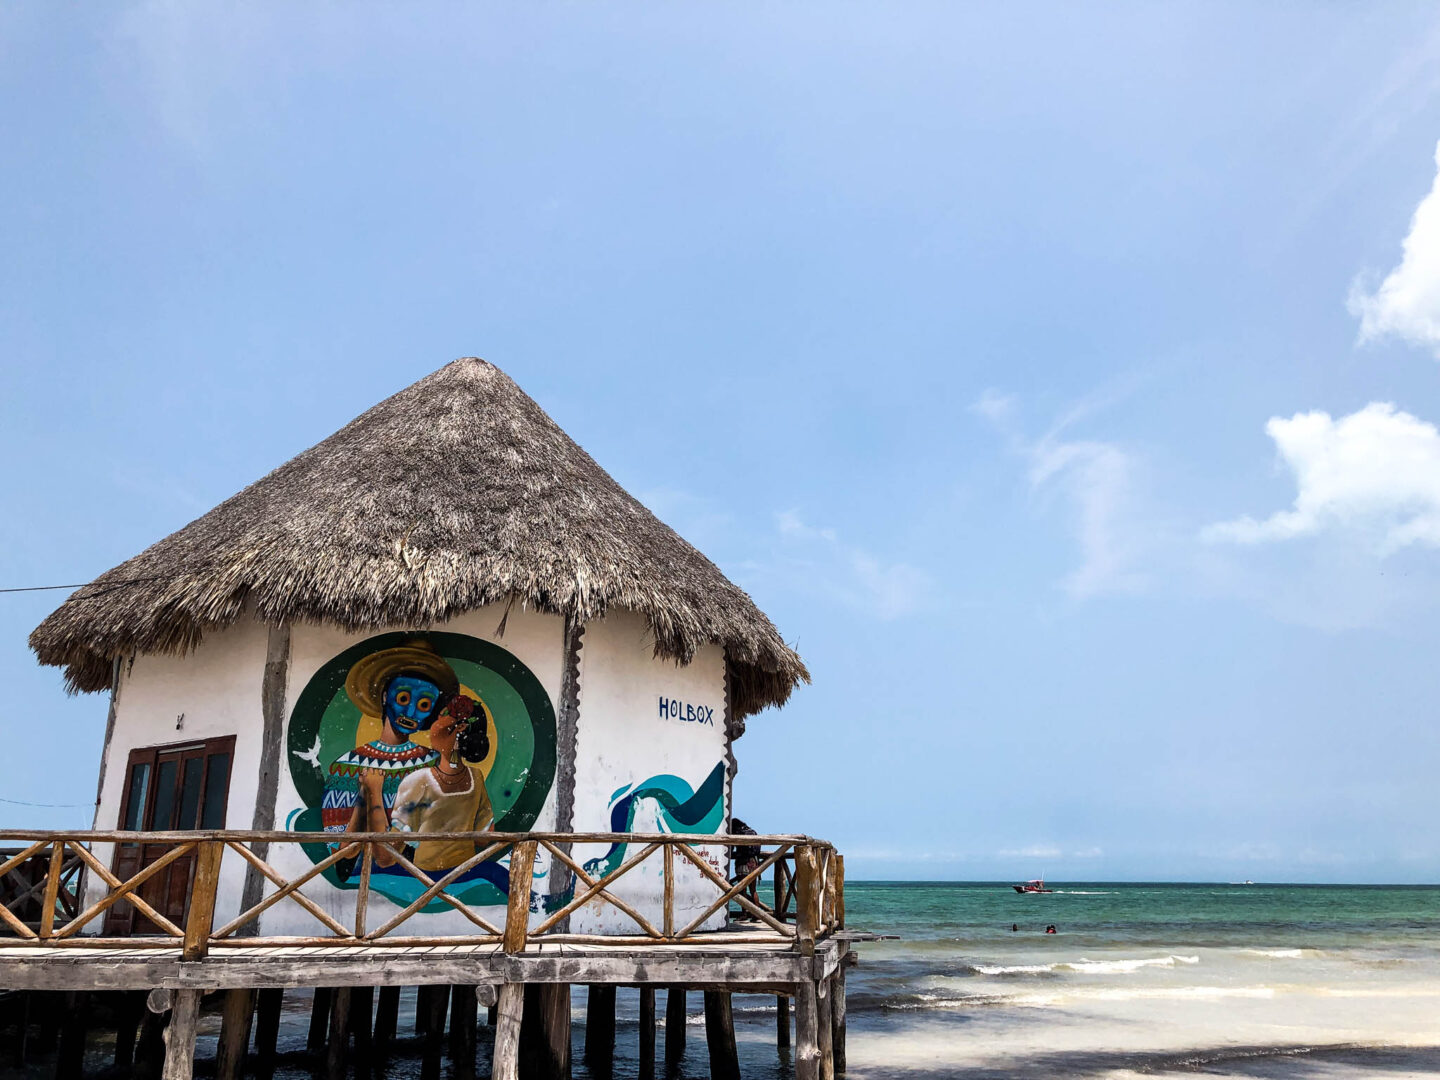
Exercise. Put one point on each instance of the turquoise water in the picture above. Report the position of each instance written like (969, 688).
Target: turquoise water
(1243, 980)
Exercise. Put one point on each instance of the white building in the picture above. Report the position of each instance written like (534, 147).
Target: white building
(444, 617)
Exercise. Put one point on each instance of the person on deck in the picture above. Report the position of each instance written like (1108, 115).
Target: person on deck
(745, 859)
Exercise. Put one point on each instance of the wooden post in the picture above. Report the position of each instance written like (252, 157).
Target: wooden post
(22, 1021)
(807, 899)
(267, 1030)
(180, 1036)
(436, 1005)
(150, 1046)
(839, 892)
(517, 908)
(462, 1031)
(202, 899)
(837, 1016)
(70, 1061)
(669, 905)
(52, 889)
(674, 1026)
(336, 1049)
(782, 1021)
(508, 1009)
(423, 994)
(647, 1032)
(545, 1032)
(319, 1020)
(807, 1034)
(50, 1005)
(387, 1016)
(129, 1014)
(600, 1028)
(362, 1006)
(720, 1036)
(827, 1048)
(234, 1034)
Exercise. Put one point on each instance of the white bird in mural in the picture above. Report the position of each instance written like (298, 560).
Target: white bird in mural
(312, 755)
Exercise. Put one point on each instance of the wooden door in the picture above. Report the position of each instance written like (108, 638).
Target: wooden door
(179, 786)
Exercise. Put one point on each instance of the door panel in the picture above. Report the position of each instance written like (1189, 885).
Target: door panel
(178, 787)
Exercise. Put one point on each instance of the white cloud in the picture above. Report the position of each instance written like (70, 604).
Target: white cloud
(1374, 473)
(796, 554)
(1097, 480)
(1407, 303)
(852, 575)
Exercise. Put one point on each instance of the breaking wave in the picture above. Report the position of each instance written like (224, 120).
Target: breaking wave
(1085, 967)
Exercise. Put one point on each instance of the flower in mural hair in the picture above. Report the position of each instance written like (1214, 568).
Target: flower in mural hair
(462, 708)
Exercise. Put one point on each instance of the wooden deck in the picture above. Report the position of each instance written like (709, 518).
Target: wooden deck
(796, 947)
(732, 960)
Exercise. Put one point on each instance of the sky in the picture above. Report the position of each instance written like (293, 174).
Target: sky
(1061, 379)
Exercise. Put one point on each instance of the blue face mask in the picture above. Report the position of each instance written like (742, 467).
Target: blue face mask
(410, 703)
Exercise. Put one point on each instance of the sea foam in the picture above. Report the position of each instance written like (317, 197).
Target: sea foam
(1085, 966)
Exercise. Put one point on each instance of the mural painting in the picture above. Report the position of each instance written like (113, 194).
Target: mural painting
(417, 734)
(679, 808)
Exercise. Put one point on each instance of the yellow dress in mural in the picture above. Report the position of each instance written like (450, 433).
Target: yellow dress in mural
(437, 800)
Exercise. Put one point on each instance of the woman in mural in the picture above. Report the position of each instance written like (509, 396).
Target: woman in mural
(450, 795)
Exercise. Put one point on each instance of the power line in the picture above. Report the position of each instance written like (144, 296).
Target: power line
(45, 588)
(48, 805)
(101, 588)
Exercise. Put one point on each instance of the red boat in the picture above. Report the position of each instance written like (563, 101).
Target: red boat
(1036, 886)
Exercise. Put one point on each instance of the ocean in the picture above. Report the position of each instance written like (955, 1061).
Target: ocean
(1282, 981)
(1146, 979)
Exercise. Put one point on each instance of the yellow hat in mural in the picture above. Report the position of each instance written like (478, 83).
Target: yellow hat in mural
(365, 684)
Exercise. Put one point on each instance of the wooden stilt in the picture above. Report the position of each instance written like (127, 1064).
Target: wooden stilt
(600, 1029)
(782, 1022)
(319, 1020)
(674, 1026)
(508, 1009)
(423, 994)
(234, 1034)
(267, 1030)
(490, 1014)
(720, 1036)
(647, 1032)
(180, 1036)
(387, 1017)
(807, 1034)
(338, 1047)
(22, 1025)
(74, 1025)
(150, 1046)
(129, 1011)
(545, 1032)
(50, 1006)
(837, 1017)
(362, 1008)
(462, 1031)
(436, 1004)
(827, 1049)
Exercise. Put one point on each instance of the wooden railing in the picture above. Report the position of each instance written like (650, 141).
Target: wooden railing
(807, 876)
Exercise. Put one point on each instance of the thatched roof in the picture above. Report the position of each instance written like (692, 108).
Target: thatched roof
(457, 492)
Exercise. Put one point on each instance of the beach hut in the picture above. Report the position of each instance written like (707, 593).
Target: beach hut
(445, 617)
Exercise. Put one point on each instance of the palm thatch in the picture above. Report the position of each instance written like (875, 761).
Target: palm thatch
(457, 492)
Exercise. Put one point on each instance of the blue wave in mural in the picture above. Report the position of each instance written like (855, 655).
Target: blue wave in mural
(682, 809)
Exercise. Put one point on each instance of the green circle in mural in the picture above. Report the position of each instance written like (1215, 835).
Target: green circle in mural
(451, 733)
